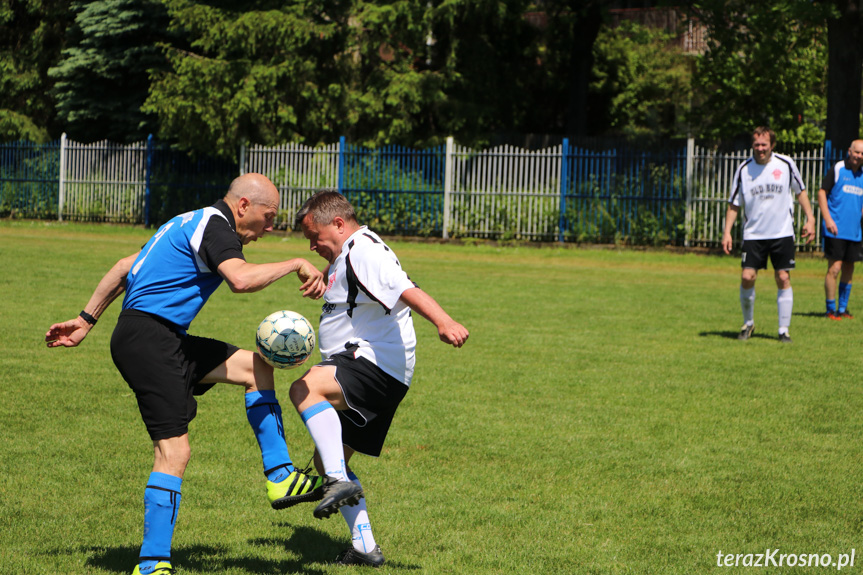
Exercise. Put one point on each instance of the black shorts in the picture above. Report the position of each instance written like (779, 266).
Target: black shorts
(781, 251)
(163, 366)
(849, 251)
(372, 396)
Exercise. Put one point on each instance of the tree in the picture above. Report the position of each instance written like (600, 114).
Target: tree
(765, 64)
(380, 72)
(263, 71)
(487, 55)
(573, 28)
(397, 83)
(31, 37)
(102, 79)
(844, 70)
(641, 84)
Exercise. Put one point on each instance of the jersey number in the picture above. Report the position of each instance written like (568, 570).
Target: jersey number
(156, 238)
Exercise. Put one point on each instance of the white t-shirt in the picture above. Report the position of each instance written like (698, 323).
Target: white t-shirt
(362, 306)
(766, 193)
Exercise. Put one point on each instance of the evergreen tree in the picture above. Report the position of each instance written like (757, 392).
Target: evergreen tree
(398, 80)
(262, 71)
(31, 37)
(102, 78)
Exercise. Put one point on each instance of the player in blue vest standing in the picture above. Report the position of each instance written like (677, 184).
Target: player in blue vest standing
(166, 284)
(841, 201)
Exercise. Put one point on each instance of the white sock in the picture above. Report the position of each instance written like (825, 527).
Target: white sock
(784, 303)
(747, 304)
(357, 518)
(325, 428)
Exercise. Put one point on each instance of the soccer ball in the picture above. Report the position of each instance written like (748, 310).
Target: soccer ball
(285, 339)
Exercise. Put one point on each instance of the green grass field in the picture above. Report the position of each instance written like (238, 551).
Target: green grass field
(602, 419)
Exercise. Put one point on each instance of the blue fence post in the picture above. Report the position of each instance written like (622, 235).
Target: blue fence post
(147, 180)
(828, 156)
(341, 178)
(564, 186)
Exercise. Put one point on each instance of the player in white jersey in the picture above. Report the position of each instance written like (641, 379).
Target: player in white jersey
(367, 343)
(765, 186)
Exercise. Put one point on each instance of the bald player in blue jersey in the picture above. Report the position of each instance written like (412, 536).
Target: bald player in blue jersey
(166, 285)
(841, 201)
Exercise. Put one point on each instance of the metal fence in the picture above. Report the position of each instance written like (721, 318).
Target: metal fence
(103, 181)
(505, 192)
(671, 195)
(624, 194)
(29, 179)
(296, 170)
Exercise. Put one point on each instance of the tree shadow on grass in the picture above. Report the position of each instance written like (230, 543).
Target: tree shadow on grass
(308, 551)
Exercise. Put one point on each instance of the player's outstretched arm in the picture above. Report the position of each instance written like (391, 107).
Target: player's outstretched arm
(72, 332)
(245, 277)
(449, 330)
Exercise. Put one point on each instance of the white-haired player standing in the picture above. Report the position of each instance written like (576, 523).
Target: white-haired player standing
(765, 186)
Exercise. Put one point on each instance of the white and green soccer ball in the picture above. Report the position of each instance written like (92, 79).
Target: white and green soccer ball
(285, 339)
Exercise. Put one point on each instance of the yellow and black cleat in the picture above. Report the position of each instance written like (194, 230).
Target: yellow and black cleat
(162, 568)
(299, 487)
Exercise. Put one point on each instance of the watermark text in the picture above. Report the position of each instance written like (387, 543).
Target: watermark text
(775, 558)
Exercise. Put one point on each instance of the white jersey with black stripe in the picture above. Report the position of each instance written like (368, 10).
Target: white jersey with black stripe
(766, 194)
(362, 307)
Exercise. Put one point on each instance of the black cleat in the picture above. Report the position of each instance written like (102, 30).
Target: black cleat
(846, 314)
(834, 315)
(351, 556)
(746, 331)
(337, 493)
(784, 338)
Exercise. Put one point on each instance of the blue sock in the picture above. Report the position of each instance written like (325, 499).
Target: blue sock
(831, 305)
(161, 506)
(265, 416)
(844, 295)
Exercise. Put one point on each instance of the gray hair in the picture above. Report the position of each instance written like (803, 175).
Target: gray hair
(325, 206)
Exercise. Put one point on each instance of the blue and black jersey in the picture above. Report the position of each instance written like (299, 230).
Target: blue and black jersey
(176, 271)
(845, 201)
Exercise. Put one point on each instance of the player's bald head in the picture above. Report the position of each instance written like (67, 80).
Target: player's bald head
(257, 188)
(855, 155)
